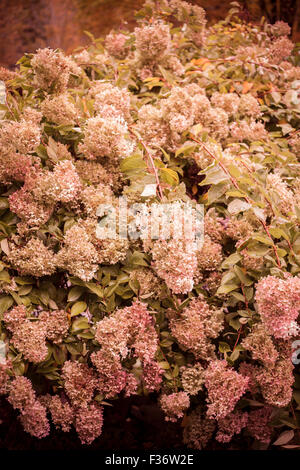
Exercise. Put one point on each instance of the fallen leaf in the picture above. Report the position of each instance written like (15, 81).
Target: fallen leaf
(246, 87)
(201, 62)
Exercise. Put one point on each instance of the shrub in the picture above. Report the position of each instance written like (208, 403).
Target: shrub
(173, 112)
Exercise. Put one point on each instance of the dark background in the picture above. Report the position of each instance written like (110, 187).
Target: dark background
(26, 25)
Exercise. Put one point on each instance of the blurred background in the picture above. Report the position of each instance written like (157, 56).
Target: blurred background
(26, 25)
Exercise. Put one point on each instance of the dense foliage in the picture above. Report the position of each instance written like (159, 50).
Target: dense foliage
(207, 115)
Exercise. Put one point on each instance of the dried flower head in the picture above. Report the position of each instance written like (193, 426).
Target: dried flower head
(174, 405)
(33, 259)
(152, 41)
(59, 110)
(34, 420)
(196, 326)
(175, 262)
(62, 413)
(199, 430)
(80, 382)
(276, 382)
(261, 346)
(106, 137)
(280, 28)
(88, 423)
(57, 324)
(258, 423)
(78, 255)
(230, 425)
(52, 70)
(21, 393)
(115, 45)
(278, 303)
(224, 387)
(192, 378)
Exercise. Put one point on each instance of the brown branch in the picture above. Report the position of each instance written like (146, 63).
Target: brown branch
(237, 340)
(234, 59)
(257, 182)
(247, 199)
(152, 162)
(245, 298)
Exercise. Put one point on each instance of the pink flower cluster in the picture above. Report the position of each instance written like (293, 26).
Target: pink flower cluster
(126, 332)
(115, 44)
(33, 415)
(261, 346)
(196, 326)
(52, 70)
(176, 263)
(153, 41)
(258, 423)
(80, 382)
(276, 383)
(29, 335)
(89, 422)
(151, 97)
(199, 429)
(62, 413)
(225, 387)
(278, 304)
(230, 425)
(174, 405)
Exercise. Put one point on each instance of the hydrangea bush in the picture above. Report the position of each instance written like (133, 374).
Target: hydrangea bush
(200, 114)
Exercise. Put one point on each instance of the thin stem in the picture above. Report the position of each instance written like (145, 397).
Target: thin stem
(152, 162)
(245, 298)
(247, 199)
(257, 182)
(237, 340)
(233, 59)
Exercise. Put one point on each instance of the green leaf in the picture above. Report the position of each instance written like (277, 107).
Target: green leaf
(78, 308)
(4, 204)
(79, 324)
(133, 162)
(164, 365)
(246, 280)
(238, 205)
(2, 97)
(24, 290)
(231, 260)
(284, 438)
(186, 150)
(4, 276)
(216, 191)
(60, 354)
(166, 343)
(263, 239)
(75, 293)
(169, 176)
(98, 290)
(86, 335)
(234, 355)
(226, 288)
(5, 303)
(224, 347)
(167, 75)
(277, 232)
(22, 281)
(214, 175)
